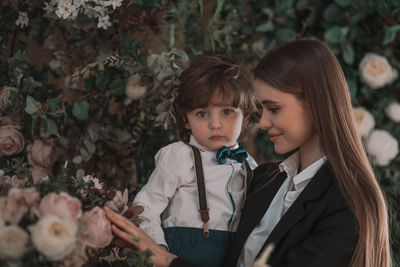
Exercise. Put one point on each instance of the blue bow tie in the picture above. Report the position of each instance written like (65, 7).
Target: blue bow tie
(239, 154)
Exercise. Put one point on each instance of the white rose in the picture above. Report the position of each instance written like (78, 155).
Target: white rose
(53, 237)
(382, 146)
(393, 111)
(365, 122)
(14, 242)
(376, 71)
(132, 89)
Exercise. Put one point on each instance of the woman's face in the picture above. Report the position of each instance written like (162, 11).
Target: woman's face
(286, 118)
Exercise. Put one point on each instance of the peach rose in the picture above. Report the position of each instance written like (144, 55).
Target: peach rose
(61, 205)
(41, 157)
(376, 71)
(96, 228)
(11, 141)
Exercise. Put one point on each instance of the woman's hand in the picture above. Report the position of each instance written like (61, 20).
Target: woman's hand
(137, 238)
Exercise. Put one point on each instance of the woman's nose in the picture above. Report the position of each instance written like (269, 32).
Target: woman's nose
(265, 122)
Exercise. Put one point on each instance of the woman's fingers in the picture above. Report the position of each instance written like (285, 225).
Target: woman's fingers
(121, 221)
(125, 236)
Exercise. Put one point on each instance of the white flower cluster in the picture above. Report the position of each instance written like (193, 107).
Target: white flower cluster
(22, 20)
(89, 178)
(380, 144)
(69, 9)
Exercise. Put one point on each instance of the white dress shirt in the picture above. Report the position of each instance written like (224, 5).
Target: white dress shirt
(173, 187)
(284, 198)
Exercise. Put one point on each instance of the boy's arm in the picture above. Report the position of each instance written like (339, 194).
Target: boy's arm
(159, 190)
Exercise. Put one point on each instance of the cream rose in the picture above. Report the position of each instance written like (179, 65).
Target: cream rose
(393, 111)
(14, 242)
(61, 205)
(133, 90)
(53, 237)
(11, 141)
(365, 122)
(382, 146)
(376, 71)
(96, 228)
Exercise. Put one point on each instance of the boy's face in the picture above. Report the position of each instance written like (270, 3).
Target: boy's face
(219, 124)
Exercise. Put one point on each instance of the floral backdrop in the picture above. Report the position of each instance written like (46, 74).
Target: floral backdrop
(86, 88)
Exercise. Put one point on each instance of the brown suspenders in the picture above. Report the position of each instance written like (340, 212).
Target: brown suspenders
(201, 189)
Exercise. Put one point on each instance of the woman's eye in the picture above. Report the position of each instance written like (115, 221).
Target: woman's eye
(202, 114)
(227, 111)
(273, 110)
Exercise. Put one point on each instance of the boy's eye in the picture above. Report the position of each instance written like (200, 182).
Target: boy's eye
(227, 111)
(202, 114)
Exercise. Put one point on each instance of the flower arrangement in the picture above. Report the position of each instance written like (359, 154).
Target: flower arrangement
(40, 226)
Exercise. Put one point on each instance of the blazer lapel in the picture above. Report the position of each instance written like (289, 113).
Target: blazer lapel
(317, 186)
(255, 207)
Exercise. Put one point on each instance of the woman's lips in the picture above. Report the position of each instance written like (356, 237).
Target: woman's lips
(274, 137)
(215, 137)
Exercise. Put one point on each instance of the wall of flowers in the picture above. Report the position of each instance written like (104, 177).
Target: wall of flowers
(86, 88)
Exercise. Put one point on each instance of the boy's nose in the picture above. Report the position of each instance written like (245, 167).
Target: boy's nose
(215, 123)
(265, 122)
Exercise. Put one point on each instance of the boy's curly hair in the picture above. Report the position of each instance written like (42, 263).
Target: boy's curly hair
(206, 75)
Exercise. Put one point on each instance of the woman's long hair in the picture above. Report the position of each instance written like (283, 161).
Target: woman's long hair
(309, 70)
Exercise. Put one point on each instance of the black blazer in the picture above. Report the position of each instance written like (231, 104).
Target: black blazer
(319, 229)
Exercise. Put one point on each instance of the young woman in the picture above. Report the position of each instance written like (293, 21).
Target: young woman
(322, 206)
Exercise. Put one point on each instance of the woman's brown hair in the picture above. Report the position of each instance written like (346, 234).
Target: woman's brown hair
(309, 70)
(202, 79)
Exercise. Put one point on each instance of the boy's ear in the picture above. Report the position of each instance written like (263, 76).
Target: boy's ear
(187, 126)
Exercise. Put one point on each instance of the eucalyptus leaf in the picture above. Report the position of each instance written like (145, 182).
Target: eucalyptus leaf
(31, 105)
(343, 3)
(333, 34)
(333, 13)
(81, 110)
(347, 53)
(30, 84)
(265, 27)
(51, 127)
(53, 102)
(284, 35)
(390, 34)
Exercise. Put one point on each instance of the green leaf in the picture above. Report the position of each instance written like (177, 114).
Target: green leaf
(31, 105)
(343, 2)
(390, 34)
(284, 8)
(333, 34)
(117, 87)
(265, 27)
(52, 102)
(30, 84)
(284, 35)
(49, 126)
(102, 80)
(81, 110)
(333, 13)
(347, 53)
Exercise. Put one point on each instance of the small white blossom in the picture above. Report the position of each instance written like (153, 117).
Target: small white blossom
(113, 3)
(393, 111)
(65, 9)
(49, 8)
(104, 22)
(22, 20)
(365, 122)
(89, 178)
(382, 146)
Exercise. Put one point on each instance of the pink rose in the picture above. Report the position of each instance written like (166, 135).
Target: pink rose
(11, 141)
(96, 228)
(41, 157)
(61, 205)
(119, 203)
(17, 203)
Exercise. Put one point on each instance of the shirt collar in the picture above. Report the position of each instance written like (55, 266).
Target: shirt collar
(291, 166)
(202, 148)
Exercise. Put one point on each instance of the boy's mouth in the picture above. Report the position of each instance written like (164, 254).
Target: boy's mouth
(215, 137)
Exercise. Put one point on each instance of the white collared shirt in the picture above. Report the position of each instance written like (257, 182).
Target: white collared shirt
(291, 188)
(173, 187)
